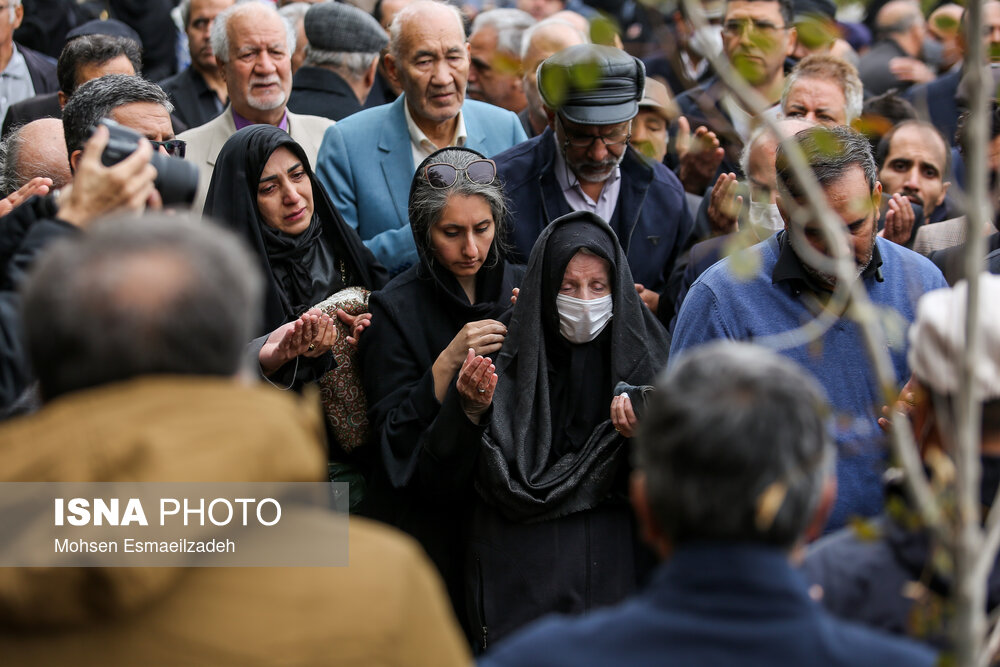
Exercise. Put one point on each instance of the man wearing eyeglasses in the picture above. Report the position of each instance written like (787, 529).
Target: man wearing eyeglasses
(757, 36)
(583, 162)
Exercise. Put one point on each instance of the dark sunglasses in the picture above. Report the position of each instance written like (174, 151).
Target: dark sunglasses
(440, 175)
(174, 147)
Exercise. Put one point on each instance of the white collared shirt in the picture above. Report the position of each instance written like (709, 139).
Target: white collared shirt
(744, 123)
(421, 145)
(15, 82)
(579, 200)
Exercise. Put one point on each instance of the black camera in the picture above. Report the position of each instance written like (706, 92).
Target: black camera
(176, 180)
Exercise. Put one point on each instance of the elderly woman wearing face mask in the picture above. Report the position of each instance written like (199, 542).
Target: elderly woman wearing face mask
(551, 467)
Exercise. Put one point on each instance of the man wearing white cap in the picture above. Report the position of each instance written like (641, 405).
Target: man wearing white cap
(875, 581)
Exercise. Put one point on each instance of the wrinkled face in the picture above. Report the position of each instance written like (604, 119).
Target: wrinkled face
(147, 118)
(199, 28)
(756, 39)
(118, 65)
(649, 134)
(593, 152)
(284, 193)
(433, 65)
(852, 201)
(587, 277)
(914, 167)
(541, 9)
(7, 27)
(761, 174)
(461, 238)
(821, 101)
(494, 76)
(259, 72)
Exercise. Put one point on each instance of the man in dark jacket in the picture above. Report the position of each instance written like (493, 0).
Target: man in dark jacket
(583, 162)
(890, 581)
(199, 92)
(340, 63)
(734, 471)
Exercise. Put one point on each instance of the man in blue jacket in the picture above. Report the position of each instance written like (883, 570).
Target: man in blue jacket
(770, 290)
(583, 162)
(366, 161)
(733, 474)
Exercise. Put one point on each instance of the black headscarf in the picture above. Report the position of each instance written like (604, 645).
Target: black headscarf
(550, 449)
(300, 271)
(489, 278)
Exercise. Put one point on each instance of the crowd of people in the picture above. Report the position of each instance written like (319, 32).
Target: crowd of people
(527, 276)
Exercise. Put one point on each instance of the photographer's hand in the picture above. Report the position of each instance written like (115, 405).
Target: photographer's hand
(98, 190)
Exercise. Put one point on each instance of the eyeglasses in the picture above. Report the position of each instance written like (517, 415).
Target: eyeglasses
(737, 27)
(615, 138)
(174, 147)
(441, 175)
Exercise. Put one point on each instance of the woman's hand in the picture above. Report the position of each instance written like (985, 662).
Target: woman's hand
(356, 324)
(312, 335)
(622, 415)
(476, 382)
(484, 337)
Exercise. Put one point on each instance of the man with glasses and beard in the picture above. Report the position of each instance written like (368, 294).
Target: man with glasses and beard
(782, 291)
(583, 161)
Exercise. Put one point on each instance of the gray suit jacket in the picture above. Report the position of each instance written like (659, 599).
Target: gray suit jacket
(205, 141)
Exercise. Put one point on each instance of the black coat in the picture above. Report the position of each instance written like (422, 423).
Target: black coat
(41, 69)
(319, 92)
(424, 482)
(194, 102)
(33, 108)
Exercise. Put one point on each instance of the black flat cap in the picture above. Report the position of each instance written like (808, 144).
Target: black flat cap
(334, 26)
(111, 27)
(590, 84)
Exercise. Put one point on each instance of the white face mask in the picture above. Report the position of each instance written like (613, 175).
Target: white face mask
(580, 320)
(707, 41)
(766, 216)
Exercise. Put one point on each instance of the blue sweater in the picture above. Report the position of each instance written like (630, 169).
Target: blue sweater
(726, 302)
(710, 604)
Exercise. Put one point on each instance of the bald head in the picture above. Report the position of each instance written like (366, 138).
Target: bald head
(541, 41)
(757, 159)
(35, 149)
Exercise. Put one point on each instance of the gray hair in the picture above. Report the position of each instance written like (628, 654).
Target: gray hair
(826, 67)
(735, 447)
(761, 131)
(185, 10)
(23, 159)
(830, 152)
(407, 12)
(12, 6)
(219, 36)
(427, 203)
(543, 25)
(349, 65)
(97, 98)
(294, 12)
(509, 24)
(163, 294)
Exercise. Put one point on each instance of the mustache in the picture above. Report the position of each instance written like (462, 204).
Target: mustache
(265, 80)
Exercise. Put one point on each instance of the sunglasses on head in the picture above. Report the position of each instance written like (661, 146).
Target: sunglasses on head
(174, 147)
(440, 175)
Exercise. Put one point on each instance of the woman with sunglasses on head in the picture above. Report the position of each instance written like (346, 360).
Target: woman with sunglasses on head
(264, 189)
(423, 324)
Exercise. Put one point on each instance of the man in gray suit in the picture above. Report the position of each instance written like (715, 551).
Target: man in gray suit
(253, 46)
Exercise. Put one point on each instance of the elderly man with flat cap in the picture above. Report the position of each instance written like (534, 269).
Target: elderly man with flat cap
(341, 58)
(583, 161)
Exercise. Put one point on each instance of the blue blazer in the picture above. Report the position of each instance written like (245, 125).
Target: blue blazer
(366, 165)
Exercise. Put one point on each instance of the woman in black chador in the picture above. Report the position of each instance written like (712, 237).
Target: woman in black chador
(264, 189)
(552, 530)
(424, 323)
